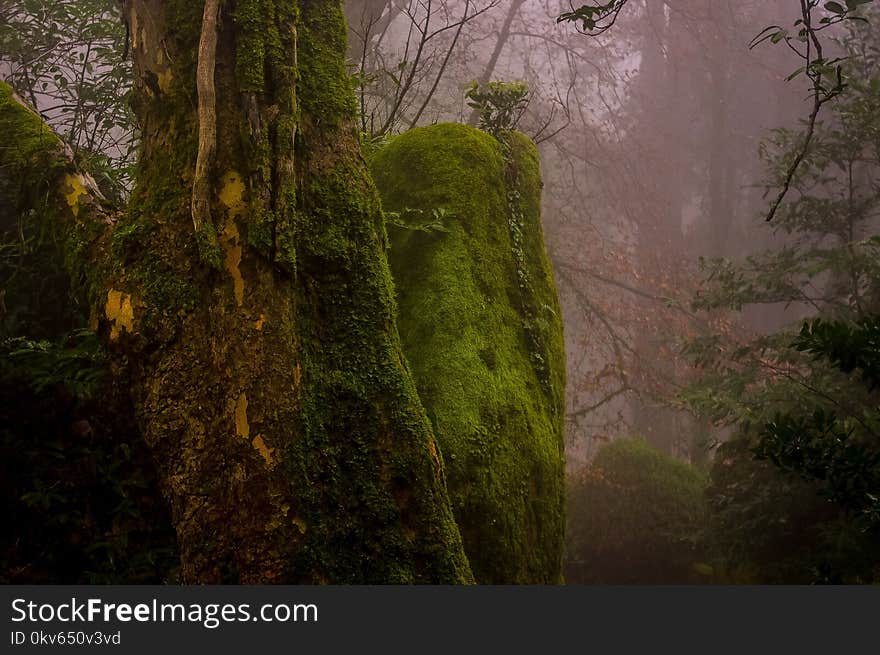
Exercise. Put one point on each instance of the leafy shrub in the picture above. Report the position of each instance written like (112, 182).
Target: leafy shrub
(635, 516)
(823, 444)
(500, 104)
(771, 526)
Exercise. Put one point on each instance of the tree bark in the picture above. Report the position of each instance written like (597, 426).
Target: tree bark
(260, 346)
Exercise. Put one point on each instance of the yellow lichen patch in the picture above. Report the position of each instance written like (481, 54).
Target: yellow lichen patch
(242, 428)
(232, 193)
(297, 374)
(77, 188)
(133, 28)
(232, 247)
(432, 446)
(120, 312)
(164, 79)
(232, 196)
(260, 322)
(300, 524)
(264, 450)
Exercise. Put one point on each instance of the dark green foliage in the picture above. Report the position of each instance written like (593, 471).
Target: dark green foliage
(841, 453)
(481, 327)
(803, 400)
(595, 18)
(79, 489)
(849, 347)
(635, 516)
(34, 296)
(770, 526)
(820, 447)
(74, 362)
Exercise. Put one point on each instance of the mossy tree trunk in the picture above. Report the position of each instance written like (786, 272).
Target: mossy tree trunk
(246, 297)
(482, 329)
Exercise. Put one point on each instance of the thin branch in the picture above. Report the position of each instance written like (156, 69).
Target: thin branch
(442, 70)
(201, 201)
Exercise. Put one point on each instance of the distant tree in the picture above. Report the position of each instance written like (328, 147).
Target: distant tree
(397, 78)
(824, 266)
(824, 72)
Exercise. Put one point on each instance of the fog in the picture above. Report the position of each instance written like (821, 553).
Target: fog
(649, 136)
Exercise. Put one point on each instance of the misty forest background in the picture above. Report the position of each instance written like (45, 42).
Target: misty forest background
(721, 411)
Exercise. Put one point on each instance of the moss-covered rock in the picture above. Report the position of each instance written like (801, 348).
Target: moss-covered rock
(49, 208)
(480, 321)
(636, 516)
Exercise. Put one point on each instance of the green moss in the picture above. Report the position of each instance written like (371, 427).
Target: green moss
(166, 285)
(183, 24)
(539, 308)
(261, 231)
(209, 246)
(163, 261)
(34, 144)
(325, 89)
(265, 55)
(250, 61)
(371, 489)
(266, 73)
(464, 320)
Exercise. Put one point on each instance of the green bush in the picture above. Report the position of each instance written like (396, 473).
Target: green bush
(500, 104)
(634, 517)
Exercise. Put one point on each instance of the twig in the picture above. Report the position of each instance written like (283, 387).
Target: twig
(201, 200)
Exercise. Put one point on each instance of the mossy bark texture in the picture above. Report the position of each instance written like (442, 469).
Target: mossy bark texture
(481, 325)
(259, 342)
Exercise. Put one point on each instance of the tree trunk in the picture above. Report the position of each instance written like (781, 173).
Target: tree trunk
(482, 330)
(247, 293)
